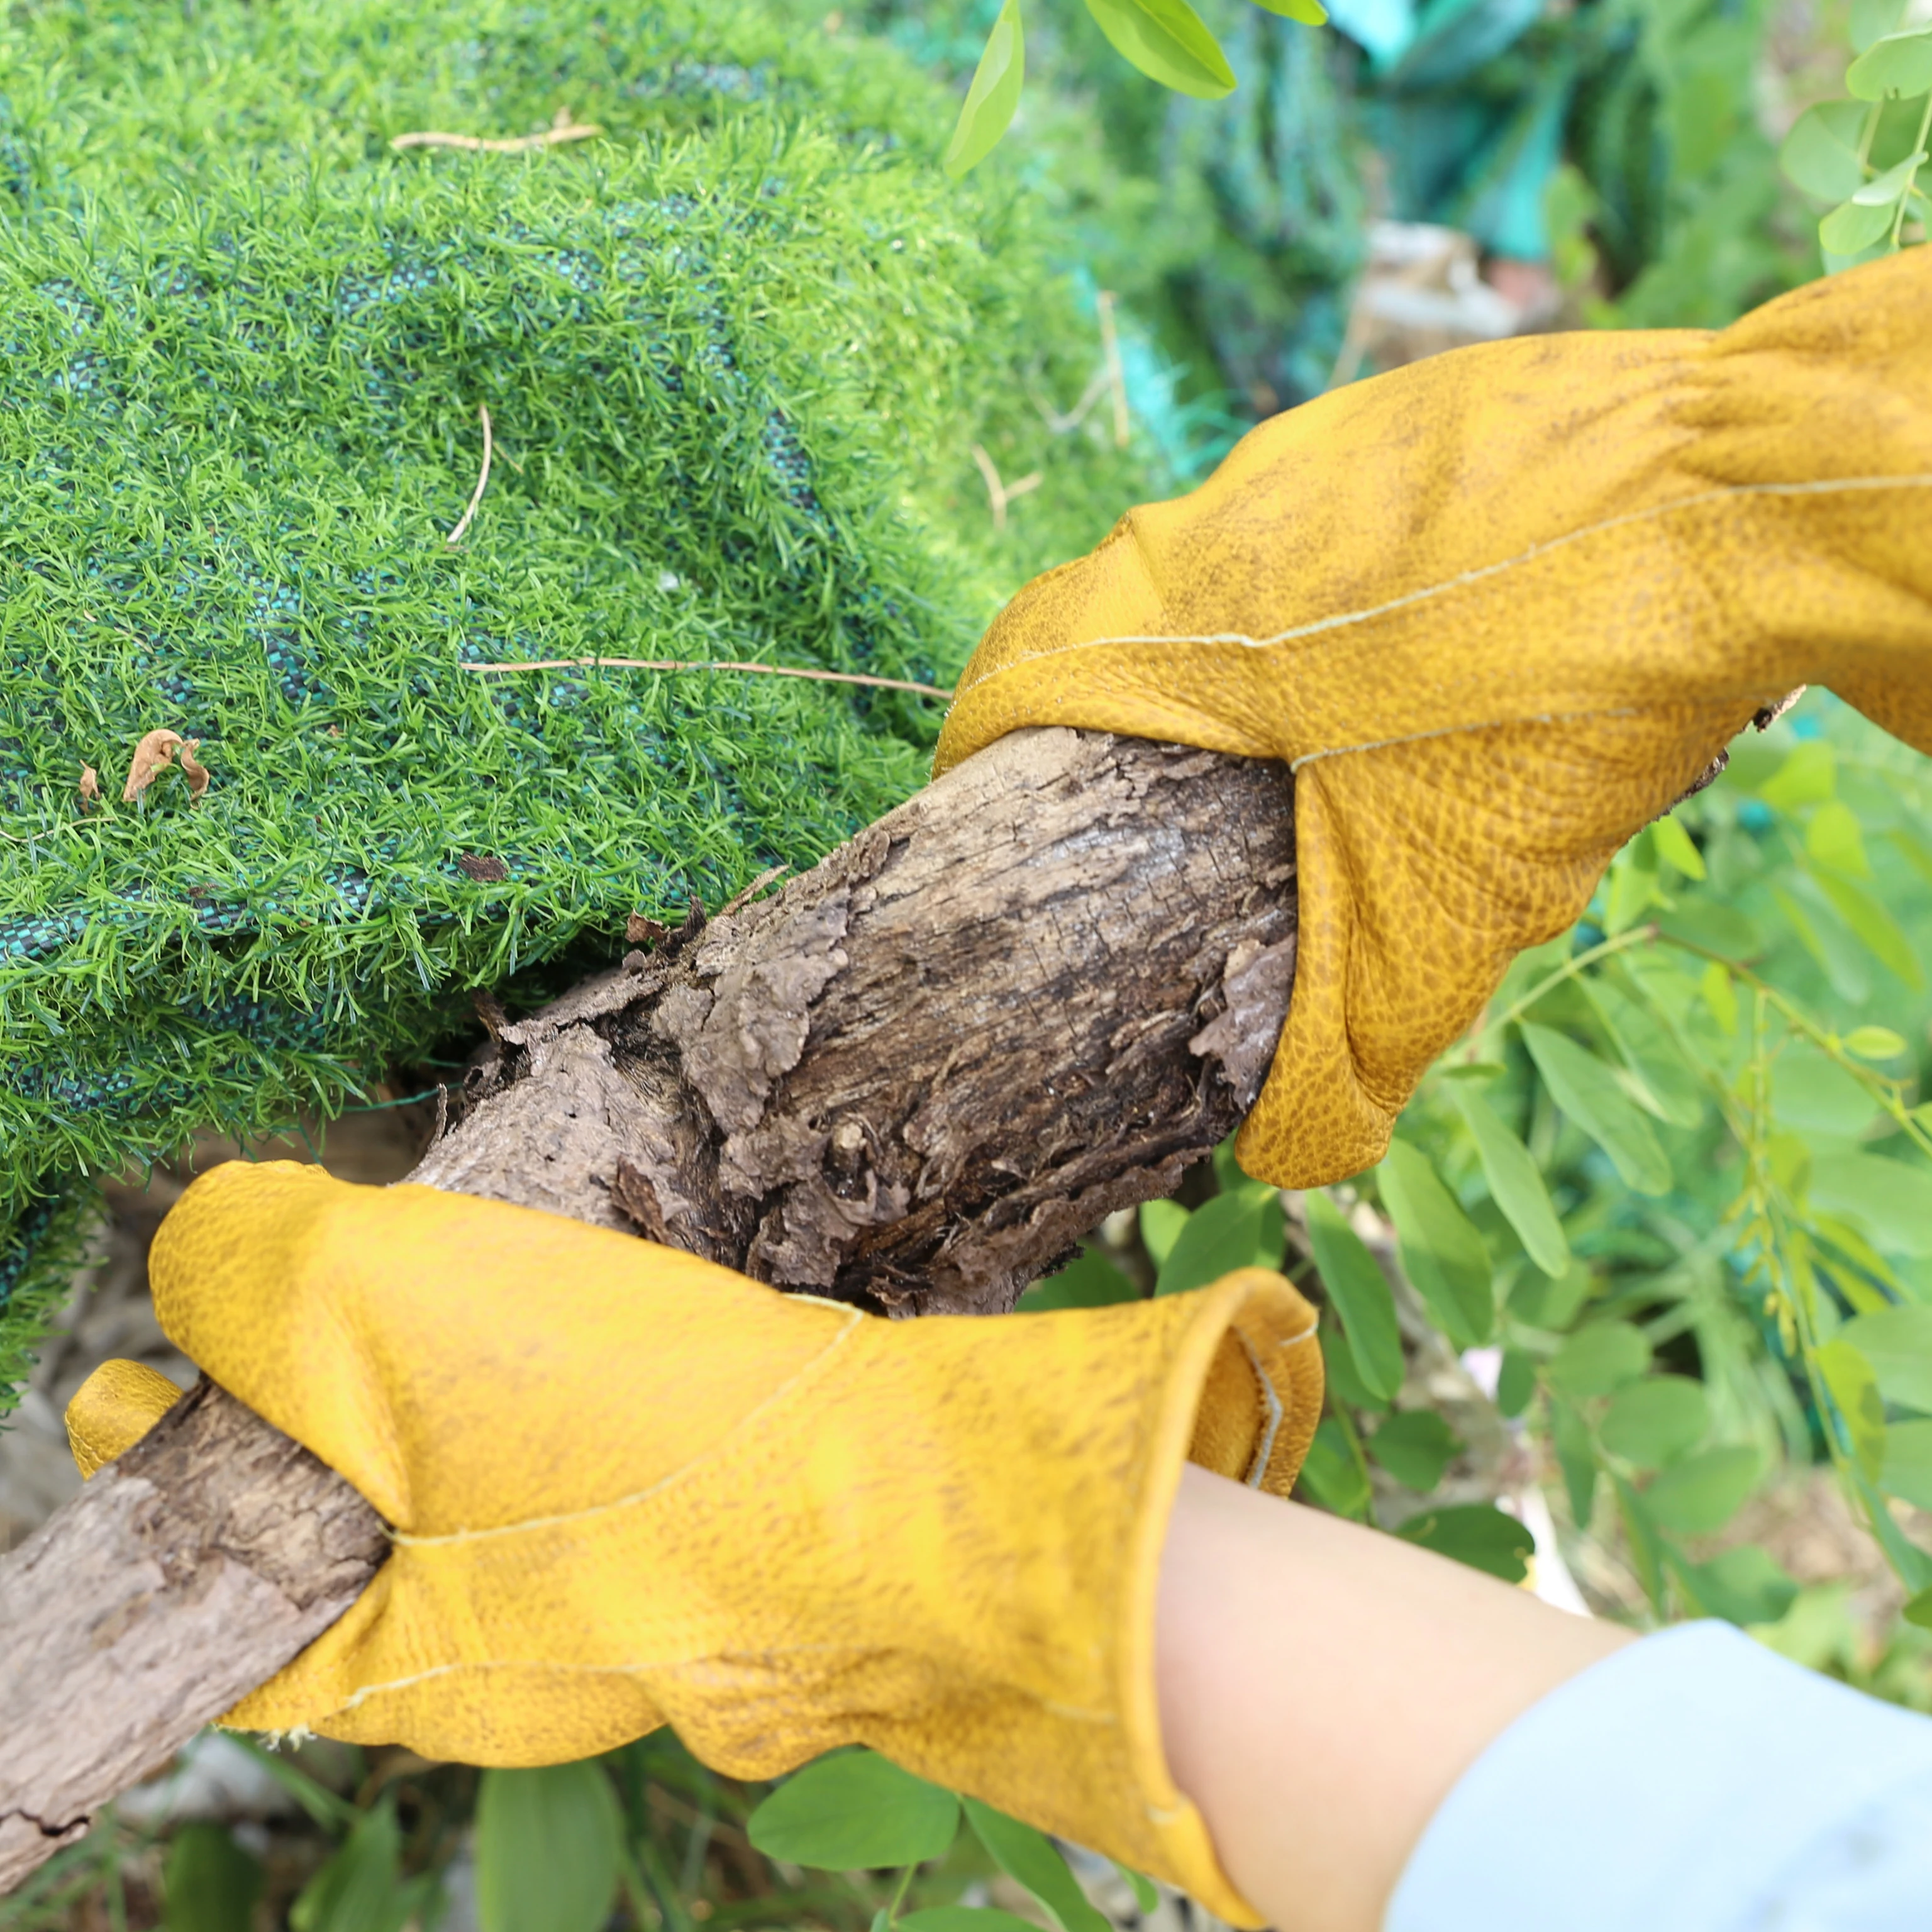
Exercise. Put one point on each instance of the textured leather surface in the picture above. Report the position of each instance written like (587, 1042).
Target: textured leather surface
(113, 1409)
(1498, 609)
(630, 1487)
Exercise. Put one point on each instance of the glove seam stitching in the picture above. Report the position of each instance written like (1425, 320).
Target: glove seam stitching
(1480, 573)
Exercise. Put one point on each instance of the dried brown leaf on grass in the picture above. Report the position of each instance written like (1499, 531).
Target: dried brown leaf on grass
(152, 756)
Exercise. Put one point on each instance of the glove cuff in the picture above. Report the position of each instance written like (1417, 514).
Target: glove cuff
(1057, 1719)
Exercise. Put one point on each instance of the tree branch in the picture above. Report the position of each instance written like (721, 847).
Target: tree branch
(911, 1080)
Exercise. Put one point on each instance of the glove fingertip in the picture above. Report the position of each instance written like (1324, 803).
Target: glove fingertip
(113, 1409)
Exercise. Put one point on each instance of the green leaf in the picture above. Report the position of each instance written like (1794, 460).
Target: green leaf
(1415, 1447)
(1854, 1387)
(1544, 1303)
(1168, 41)
(1676, 848)
(1875, 926)
(965, 1918)
(361, 1889)
(1576, 1458)
(1161, 1224)
(1897, 1343)
(1811, 1092)
(853, 1811)
(1669, 992)
(1889, 1201)
(210, 1882)
(1029, 1858)
(1899, 65)
(1515, 1184)
(1232, 1230)
(1587, 1091)
(1883, 190)
(1874, 1042)
(1088, 1281)
(1824, 936)
(1359, 1293)
(1701, 1494)
(1745, 1585)
(1918, 1611)
(1647, 1549)
(1809, 776)
(994, 95)
(1653, 1422)
(1477, 1533)
(1721, 997)
(1789, 1157)
(1346, 1388)
(1330, 1474)
(1835, 840)
(1633, 887)
(1441, 1252)
(1848, 1245)
(1906, 1471)
(1667, 1081)
(549, 1849)
(1599, 1358)
(1872, 19)
(1912, 1565)
(1853, 226)
(1515, 1383)
(1820, 154)
(1310, 13)
(1146, 1896)
(1708, 922)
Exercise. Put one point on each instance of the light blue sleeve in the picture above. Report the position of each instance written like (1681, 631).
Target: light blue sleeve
(1691, 1783)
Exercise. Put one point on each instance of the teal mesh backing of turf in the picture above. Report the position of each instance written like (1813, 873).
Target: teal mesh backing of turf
(736, 359)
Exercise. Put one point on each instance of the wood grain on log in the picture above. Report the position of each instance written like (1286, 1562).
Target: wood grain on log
(912, 1079)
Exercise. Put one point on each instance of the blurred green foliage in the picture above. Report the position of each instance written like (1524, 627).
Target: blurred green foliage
(1619, 142)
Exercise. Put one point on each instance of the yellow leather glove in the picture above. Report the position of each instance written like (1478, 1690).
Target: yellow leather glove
(1498, 611)
(629, 1487)
(113, 1409)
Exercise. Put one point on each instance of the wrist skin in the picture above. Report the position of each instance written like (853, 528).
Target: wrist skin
(1322, 1686)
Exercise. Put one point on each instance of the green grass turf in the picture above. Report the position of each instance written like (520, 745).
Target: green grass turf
(736, 353)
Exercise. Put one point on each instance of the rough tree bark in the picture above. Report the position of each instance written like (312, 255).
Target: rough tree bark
(912, 1079)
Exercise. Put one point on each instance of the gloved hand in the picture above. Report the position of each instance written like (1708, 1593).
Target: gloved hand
(1499, 609)
(629, 1487)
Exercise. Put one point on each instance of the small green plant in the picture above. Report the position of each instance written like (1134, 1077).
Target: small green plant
(853, 1808)
(1865, 154)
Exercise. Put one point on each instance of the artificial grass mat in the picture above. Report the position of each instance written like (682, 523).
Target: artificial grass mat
(736, 355)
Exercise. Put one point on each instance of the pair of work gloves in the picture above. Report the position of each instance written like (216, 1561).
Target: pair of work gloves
(1497, 610)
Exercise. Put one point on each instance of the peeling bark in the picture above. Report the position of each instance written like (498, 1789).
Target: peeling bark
(910, 1080)
(913, 1079)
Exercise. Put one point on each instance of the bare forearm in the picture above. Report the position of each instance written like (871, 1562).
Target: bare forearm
(1323, 1686)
